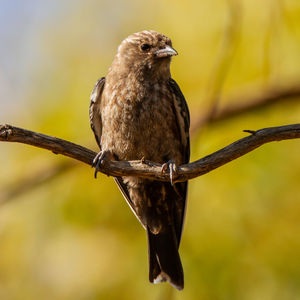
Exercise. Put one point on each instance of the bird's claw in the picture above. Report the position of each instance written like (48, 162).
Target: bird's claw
(171, 166)
(99, 160)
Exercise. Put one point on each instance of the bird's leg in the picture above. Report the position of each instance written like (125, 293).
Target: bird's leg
(99, 160)
(171, 166)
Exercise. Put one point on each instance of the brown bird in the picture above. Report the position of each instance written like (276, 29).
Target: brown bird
(139, 112)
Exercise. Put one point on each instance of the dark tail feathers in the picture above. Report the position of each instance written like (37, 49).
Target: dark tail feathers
(164, 260)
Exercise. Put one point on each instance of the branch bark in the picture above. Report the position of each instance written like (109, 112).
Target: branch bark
(148, 169)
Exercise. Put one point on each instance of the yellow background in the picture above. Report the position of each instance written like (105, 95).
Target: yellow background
(73, 237)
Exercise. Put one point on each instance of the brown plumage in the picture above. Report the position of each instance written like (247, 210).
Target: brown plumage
(137, 112)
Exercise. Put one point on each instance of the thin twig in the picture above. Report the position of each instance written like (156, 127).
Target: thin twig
(147, 169)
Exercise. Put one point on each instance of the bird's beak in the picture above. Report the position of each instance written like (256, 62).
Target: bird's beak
(166, 52)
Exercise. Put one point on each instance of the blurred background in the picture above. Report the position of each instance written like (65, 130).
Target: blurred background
(65, 235)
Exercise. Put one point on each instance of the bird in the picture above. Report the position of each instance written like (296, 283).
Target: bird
(139, 112)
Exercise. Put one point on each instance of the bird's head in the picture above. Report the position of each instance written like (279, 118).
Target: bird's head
(147, 54)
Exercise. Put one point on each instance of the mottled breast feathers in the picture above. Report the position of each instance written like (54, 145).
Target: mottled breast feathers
(179, 106)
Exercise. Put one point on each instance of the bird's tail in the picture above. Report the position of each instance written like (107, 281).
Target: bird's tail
(164, 260)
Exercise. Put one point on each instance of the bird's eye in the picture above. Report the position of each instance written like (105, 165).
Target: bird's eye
(145, 47)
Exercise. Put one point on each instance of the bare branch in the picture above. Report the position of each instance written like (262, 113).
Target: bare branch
(247, 102)
(147, 169)
(57, 146)
(239, 105)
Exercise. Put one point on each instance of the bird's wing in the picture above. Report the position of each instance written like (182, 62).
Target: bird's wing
(182, 117)
(95, 116)
(125, 192)
(183, 123)
(96, 124)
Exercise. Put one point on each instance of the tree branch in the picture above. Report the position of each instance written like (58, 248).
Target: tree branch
(247, 102)
(252, 101)
(147, 169)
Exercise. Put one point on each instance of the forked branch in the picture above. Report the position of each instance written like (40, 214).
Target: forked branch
(147, 169)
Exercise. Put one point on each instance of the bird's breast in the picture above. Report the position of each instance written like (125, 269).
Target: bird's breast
(139, 121)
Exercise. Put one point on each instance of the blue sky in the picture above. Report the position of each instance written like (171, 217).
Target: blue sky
(24, 24)
(20, 26)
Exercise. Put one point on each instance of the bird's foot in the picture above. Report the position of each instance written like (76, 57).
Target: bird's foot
(171, 167)
(99, 160)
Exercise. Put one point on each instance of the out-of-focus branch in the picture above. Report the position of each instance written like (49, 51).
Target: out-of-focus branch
(147, 169)
(230, 39)
(30, 181)
(249, 102)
